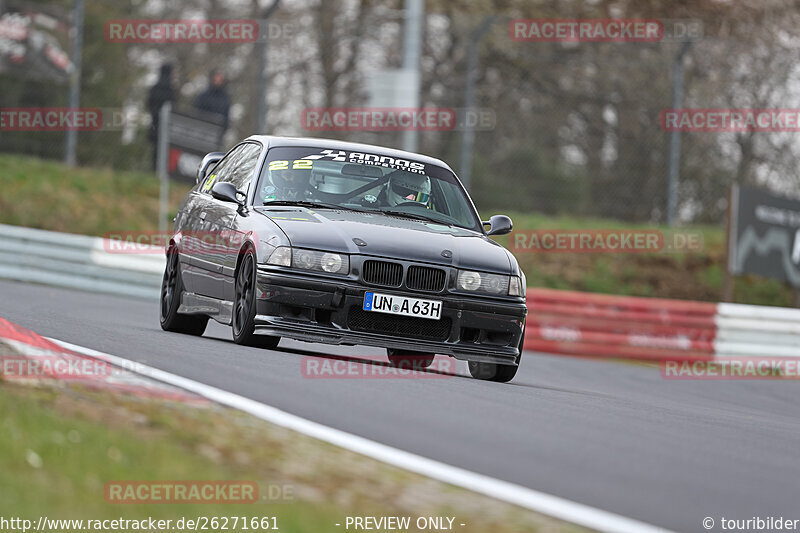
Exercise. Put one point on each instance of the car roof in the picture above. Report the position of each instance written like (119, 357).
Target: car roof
(314, 142)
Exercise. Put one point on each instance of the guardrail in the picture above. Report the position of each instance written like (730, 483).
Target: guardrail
(576, 323)
(751, 330)
(78, 262)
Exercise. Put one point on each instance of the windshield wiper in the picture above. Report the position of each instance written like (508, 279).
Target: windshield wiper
(414, 216)
(308, 203)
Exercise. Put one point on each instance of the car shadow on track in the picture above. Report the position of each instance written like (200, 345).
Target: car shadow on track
(367, 360)
(383, 364)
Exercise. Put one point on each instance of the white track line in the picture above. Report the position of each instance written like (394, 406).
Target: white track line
(547, 504)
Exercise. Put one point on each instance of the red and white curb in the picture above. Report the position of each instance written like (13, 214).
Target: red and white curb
(35, 358)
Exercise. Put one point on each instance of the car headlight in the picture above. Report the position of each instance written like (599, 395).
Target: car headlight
(469, 281)
(332, 263)
(329, 262)
(280, 256)
(482, 282)
(516, 287)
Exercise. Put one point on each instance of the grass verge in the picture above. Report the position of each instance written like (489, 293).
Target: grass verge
(90, 201)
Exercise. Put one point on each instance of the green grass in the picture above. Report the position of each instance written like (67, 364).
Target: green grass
(60, 445)
(47, 195)
(57, 466)
(695, 275)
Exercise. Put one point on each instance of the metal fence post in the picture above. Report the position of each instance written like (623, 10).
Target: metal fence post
(261, 87)
(74, 97)
(468, 136)
(731, 230)
(675, 136)
(161, 165)
(412, 49)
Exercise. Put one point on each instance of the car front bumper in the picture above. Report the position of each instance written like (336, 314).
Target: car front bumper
(330, 311)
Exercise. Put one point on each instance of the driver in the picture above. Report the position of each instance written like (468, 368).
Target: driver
(287, 184)
(404, 187)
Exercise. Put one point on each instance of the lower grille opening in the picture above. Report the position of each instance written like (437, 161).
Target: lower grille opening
(402, 326)
(498, 338)
(470, 334)
(296, 313)
(323, 316)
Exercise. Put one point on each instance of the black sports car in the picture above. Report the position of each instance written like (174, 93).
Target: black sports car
(343, 243)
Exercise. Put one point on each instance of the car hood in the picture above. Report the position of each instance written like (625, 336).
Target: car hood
(389, 236)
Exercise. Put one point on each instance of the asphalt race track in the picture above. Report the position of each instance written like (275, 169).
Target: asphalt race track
(611, 435)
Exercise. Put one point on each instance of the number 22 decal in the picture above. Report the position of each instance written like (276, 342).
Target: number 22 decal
(299, 164)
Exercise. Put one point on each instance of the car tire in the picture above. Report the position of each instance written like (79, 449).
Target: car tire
(495, 372)
(243, 315)
(171, 291)
(409, 360)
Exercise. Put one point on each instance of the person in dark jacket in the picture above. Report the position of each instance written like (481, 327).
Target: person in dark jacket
(215, 101)
(160, 93)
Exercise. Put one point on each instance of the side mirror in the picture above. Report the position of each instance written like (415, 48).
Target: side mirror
(208, 162)
(226, 192)
(499, 225)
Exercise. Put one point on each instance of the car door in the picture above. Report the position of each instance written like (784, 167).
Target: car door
(186, 225)
(243, 177)
(211, 218)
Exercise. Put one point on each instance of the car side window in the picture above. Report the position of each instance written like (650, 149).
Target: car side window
(242, 173)
(224, 169)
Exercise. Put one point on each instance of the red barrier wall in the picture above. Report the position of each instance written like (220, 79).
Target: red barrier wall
(587, 324)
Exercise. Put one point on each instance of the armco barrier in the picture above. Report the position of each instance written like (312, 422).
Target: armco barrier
(576, 323)
(750, 330)
(77, 261)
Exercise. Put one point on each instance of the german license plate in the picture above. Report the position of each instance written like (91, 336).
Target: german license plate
(402, 305)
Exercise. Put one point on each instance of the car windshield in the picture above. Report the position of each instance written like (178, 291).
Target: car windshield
(366, 182)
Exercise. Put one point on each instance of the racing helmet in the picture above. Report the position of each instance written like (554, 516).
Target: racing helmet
(291, 181)
(408, 187)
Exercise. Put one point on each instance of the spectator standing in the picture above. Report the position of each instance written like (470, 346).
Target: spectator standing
(215, 102)
(160, 93)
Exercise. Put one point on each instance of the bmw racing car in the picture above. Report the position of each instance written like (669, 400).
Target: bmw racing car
(335, 242)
